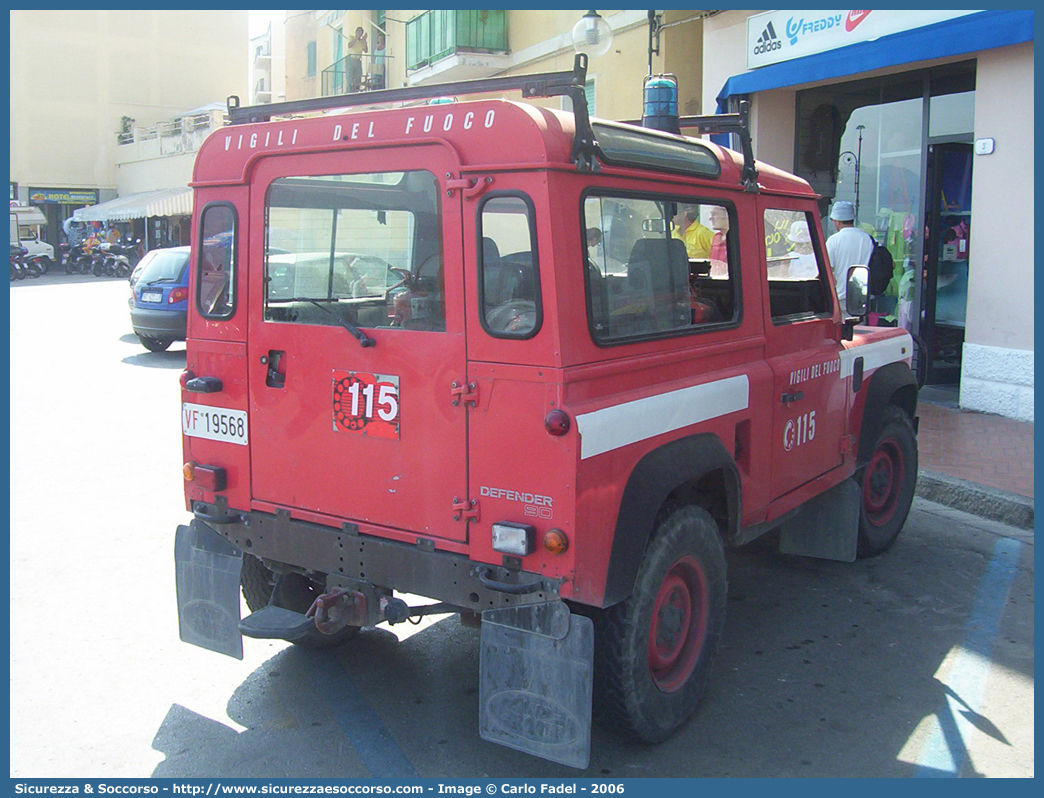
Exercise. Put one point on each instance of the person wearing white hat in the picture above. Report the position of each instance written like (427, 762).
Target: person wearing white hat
(803, 264)
(847, 247)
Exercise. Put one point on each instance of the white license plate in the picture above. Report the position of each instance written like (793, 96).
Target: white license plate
(214, 423)
(151, 297)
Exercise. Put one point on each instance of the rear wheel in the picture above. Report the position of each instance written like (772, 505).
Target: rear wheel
(653, 650)
(297, 594)
(154, 344)
(888, 482)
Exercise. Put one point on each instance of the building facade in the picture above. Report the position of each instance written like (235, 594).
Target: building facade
(267, 66)
(112, 79)
(437, 46)
(924, 120)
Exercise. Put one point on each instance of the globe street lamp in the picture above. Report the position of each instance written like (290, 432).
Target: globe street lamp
(592, 35)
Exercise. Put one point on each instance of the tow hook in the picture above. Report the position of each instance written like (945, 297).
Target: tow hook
(337, 609)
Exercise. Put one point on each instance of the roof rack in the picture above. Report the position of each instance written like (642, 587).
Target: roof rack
(547, 84)
(738, 123)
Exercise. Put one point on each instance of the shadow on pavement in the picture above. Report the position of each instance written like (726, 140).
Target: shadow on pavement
(826, 670)
(56, 276)
(171, 359)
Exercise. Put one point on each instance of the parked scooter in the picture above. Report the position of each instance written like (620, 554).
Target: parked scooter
(37, 264)
(17, 269)
(79, 259)
(117, 262)
(20, 266)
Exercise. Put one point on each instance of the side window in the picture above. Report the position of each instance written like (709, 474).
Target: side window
(362, 248)
(658, 266)
(509, 300)
(796, 276)
(216, 262)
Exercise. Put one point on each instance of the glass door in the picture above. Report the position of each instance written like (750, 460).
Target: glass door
(945, 296)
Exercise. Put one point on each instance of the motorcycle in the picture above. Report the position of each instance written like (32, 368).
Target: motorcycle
(37, 264)
(117, 263)
(79, 258)
(20, 268)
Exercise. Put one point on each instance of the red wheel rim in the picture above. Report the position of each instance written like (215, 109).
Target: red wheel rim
(884, 478)
(678, 625)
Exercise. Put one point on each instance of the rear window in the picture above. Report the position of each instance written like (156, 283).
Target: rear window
(216, 284)
(164, 266)
(361, 248)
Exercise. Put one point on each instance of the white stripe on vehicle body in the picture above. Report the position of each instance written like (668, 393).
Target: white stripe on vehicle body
(877, 354)
(621, 425)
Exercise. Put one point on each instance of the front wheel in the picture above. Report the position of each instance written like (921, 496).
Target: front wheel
(888, 482)
(653, 650)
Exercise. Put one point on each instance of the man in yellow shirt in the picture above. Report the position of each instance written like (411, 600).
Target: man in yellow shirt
(687, 227)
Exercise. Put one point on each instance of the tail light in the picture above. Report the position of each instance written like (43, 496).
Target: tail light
(210, 478)
(177, 295)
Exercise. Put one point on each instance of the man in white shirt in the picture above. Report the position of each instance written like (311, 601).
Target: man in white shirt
(849, 246)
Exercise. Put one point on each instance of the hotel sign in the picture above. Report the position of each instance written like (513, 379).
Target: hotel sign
(782, 35)
(63, 196)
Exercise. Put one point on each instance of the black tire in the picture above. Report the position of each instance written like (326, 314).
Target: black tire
(257, 582)
(888, 482)
(154, 344)
(45, 264)
(653, 650)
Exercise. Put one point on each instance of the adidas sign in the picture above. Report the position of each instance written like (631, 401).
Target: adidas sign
(768, 41)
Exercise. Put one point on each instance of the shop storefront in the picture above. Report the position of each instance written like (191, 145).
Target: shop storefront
(897, 113)
(159, 218)
(58, 204)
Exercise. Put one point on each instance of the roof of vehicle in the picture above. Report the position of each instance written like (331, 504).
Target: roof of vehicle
(476, 131)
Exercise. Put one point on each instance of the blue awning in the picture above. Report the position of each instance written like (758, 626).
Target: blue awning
(970, 34)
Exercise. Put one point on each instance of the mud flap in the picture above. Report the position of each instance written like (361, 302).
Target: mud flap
(535, 681)
(207, 575)
(827, 525)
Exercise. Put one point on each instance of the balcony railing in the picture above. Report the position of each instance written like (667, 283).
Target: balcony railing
(438, 34)
(355, 73)
(168, 138)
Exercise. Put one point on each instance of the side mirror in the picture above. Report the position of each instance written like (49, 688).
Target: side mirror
(856, 293)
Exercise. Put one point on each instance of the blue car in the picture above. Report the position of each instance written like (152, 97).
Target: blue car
(159, 297)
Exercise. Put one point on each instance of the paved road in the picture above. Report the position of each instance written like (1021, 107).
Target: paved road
(919, 662)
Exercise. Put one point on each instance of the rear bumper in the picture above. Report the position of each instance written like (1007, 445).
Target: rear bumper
(350, 560)
(164, 324)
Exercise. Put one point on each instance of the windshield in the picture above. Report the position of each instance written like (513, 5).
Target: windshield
(164, 265)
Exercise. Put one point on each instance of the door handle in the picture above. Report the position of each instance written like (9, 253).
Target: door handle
(273, 379)
(787, 398)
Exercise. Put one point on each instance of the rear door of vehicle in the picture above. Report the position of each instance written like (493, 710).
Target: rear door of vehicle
(361, 433)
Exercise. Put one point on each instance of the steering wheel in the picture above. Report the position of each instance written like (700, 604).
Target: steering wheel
(515, 315)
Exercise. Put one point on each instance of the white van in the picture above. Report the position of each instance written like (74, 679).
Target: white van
(25, 230)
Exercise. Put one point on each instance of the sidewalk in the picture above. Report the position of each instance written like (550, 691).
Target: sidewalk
(975, 462)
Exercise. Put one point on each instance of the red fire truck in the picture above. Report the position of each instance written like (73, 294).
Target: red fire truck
(538, 368)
